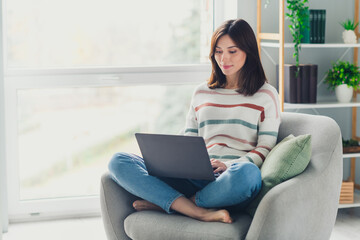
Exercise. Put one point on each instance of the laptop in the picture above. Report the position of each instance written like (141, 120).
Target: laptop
(175, 156)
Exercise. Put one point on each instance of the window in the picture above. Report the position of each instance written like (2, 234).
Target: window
(81, 78)
(66, 136)
(73, 33)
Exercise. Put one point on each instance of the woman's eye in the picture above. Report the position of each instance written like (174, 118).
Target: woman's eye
(232, 52)
(218, 52)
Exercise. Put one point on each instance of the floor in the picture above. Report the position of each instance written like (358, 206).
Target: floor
(346, 228)
(82, 228)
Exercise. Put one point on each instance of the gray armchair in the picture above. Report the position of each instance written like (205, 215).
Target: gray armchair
(304, 207)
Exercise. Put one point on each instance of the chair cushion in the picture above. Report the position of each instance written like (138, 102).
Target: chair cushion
(163, 226)
(287, 159)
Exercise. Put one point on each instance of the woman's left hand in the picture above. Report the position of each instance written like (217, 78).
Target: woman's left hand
(218, 166)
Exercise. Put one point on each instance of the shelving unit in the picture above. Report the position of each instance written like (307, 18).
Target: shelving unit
(351, 205)
(281, 45)
(320, 105)
(311, 45)
(351, 155)
(277, 37)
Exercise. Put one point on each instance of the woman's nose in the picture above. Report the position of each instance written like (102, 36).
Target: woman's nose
(224, 56)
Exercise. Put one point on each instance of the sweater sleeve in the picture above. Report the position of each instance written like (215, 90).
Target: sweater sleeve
(267, 135)
(191, 126)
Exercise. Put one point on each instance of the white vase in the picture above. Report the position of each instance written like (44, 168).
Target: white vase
(344, 93)
(349, 36)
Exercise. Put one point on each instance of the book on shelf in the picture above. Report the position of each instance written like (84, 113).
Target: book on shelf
(313, 83)
(322, 26)
(299, 83)
(308, 83)
(306, 31)
(316, 27)
(305, 83)
(290, 84)
(301, 88)
(311, 26)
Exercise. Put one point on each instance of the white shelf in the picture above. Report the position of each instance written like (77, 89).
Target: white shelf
(320, 105)
(351, 155)
(311, 45)
(351, 205)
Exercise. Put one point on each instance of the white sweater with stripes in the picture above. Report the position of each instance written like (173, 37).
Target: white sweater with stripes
(235, 127)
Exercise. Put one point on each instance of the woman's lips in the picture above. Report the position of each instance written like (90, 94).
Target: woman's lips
(227, 66)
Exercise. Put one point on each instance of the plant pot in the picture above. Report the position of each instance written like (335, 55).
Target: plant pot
(349, 36)
(344, 93)
(300, 89)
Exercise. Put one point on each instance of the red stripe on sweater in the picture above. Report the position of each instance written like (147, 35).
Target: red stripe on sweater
(214, 92)
(270, 93)
(258, 153)
(266, 147)
(233, 138)
(248, 105)
(221, 144)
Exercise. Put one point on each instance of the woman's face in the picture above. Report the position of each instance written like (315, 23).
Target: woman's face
(229, 57)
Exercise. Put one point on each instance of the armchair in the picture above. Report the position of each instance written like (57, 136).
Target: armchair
(304, 207)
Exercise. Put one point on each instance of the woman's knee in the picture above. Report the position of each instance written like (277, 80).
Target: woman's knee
(248, 173)
(117, 160)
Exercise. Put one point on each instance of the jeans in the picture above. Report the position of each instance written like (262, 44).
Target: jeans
(235, 187)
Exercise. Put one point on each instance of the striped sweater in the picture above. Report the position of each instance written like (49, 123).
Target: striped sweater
(235, 127)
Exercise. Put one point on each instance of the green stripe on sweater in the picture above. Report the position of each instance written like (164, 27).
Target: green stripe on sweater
(228, 121)
(274, 134)
(193, 130)
(224, 157)
(249, 158)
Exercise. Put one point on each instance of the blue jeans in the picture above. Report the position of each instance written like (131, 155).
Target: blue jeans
(235, 187)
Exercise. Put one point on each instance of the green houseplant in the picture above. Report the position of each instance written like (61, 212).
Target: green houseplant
(349, 35)
(343, 73)
(343, 76)
(350, 145)
(298, 17)
(349, 25)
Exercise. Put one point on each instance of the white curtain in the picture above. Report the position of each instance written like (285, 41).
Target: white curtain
(3, 192)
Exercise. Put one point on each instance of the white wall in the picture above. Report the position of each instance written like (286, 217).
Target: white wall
(336, 12)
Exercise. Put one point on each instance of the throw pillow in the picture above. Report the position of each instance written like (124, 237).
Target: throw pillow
(287, 159)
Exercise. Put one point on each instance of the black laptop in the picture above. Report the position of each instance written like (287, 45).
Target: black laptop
(175, 156)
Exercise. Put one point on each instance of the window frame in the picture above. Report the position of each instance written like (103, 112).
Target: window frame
(111, 77)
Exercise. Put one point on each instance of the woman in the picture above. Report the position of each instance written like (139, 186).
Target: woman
(237, 113)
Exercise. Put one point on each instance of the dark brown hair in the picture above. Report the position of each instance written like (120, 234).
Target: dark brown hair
(252, 75)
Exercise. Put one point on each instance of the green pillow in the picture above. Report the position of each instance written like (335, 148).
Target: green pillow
(287, 159)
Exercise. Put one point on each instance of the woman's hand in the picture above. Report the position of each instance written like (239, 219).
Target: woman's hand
(218, 166)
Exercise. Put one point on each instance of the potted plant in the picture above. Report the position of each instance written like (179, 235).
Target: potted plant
(344, 78)
(350, 146)
(300, 80)
(298, 17)
(349, 35)
(300, 88)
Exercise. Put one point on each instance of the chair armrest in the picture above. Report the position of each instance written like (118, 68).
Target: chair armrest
(116, 205)
(304, 207)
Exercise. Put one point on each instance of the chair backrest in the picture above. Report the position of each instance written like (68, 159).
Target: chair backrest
(304, 207)
(325, 134)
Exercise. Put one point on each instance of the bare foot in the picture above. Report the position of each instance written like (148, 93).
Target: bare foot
(216, 216)
(141, 205)
(187, 207)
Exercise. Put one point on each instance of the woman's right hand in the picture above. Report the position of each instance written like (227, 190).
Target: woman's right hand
(218, 166)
